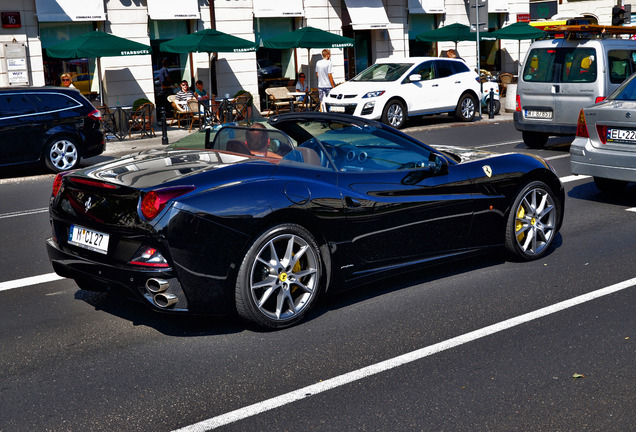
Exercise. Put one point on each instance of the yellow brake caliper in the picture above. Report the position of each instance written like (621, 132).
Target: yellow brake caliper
(296, 269)
(518, 225)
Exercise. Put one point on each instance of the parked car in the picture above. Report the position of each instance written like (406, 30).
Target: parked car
(266, 220)
(561, 76)
(267, 69)
(605, 143)
(394, 89)
(54, 125)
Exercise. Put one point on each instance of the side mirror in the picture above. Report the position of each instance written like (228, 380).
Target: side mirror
(439, 166)
(415, 78)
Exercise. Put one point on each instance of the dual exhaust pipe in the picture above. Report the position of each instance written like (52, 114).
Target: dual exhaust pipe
(157, 288)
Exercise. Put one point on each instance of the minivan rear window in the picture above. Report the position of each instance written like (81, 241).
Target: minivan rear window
(621, 65)
(53, 101)
(566, 65)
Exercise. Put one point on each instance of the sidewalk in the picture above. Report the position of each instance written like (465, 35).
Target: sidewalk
(135, 144)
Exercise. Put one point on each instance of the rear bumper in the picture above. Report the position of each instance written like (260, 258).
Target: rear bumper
(539, 126)
(586, 159)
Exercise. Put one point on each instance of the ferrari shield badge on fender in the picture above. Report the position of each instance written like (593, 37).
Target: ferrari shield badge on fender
(487, 170)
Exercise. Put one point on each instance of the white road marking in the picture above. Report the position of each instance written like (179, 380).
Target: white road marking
(499, 144)
(567, 155)
(331, 383)
(33, 280)
(573, 177)
(24, 213)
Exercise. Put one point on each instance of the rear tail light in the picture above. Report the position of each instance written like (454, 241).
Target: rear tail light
(154, 201)
(95, 115)
(149, 257)
(518, 106)
(94, 183)
(602, 133)
(599, 99)
(57, 183)
(581, 126)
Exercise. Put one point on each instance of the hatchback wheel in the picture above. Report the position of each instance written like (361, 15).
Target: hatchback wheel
(394, 114)
(532, 222)
(466, 108)
(61, 154)
(279, 278)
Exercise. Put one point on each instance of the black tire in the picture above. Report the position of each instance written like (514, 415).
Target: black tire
(532, 222)
(61, 153)
(534, 140)
(466, 108)
(394, 114)
(279, 278)
(610, 186)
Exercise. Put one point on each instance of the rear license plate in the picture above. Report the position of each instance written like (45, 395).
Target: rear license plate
(88, 239)
(336, 108)
(621, 135)
(538, 114)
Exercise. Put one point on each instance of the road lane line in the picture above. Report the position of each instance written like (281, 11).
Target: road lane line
(24, 212)
(567, 155)
(498, 144)
(573, 177)
(331, 383)
(33, 280)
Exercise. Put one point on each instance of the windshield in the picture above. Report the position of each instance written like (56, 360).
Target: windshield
(383, 72)
(627, 90)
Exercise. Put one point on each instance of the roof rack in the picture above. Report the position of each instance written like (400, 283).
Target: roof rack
(588, 31)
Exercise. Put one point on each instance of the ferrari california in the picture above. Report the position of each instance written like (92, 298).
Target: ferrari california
(268, 218)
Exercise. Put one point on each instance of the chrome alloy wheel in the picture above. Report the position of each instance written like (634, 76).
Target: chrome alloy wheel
(395, 115)
(63, 155)
(284, 277)
(468, 108)
(535, 221)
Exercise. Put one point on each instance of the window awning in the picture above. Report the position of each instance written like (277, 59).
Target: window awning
(70, 10)
(367, 14)
(171, 10)
(497, 6)
(427, 6)
(278, 8)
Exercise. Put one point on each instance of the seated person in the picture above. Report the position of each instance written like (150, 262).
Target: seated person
(257, 140)
(184, 95)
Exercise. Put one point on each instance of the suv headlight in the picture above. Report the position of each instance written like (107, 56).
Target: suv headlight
(373, 94)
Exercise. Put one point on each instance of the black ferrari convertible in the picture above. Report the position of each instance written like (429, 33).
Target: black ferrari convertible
(265, 219)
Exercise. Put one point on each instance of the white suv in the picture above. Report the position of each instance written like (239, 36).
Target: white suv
(394, 89)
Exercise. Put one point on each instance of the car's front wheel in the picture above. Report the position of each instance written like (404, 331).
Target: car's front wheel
(279, 278)
(466, 108)
(61, 154)
(532, 222)
(394, 114)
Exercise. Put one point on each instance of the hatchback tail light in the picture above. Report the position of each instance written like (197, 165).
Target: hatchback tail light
(581, 126)
(95, 115)
(599, 99)
(154, 201)
(602, 133)
(518, 105)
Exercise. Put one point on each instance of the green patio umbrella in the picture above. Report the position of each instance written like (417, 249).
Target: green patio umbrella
(452, 33)
(97, 44)
(209, 41)
(308, 37)
(519, 31)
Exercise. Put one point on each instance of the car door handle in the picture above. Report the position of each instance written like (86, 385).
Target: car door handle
(350, 202)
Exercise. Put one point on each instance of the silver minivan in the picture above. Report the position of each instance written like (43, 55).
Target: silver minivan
(562, 76)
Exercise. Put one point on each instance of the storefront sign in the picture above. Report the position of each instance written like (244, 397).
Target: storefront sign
(16, 63)
(11, 19)
(523, 17)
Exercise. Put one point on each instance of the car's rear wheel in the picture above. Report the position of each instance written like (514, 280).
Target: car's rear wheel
(394, 114)
(279, 278)
(534, 140)
(610, 186)
(466, 108)
(532, 222)
(61, 154)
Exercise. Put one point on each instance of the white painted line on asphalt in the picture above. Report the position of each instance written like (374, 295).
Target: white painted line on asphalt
(567, 155)
(328, 384)
(633, 209)
(499, 144)
(33, 280)
(572, 178)
(24, 213)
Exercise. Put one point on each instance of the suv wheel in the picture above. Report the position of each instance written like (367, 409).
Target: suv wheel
(534, 140)
(394, 114)
(466, 108)
(61, 154)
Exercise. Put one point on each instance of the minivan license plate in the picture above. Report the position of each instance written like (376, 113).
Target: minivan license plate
(88, 239)
(538, 114)
(336, 109)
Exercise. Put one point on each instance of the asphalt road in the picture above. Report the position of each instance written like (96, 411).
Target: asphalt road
(478, 345)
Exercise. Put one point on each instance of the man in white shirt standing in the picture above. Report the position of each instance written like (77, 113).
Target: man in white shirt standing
(325, 78)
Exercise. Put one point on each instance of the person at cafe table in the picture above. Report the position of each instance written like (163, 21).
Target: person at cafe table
(200, 92)
(184, 95)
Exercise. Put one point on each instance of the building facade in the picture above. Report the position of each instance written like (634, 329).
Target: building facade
(380, 28)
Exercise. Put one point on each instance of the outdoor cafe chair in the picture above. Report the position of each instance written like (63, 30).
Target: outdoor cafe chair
(141, 120)
(195, 110)
(279, 99)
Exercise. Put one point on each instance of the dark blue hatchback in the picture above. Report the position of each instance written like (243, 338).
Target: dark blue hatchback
(54, 125)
